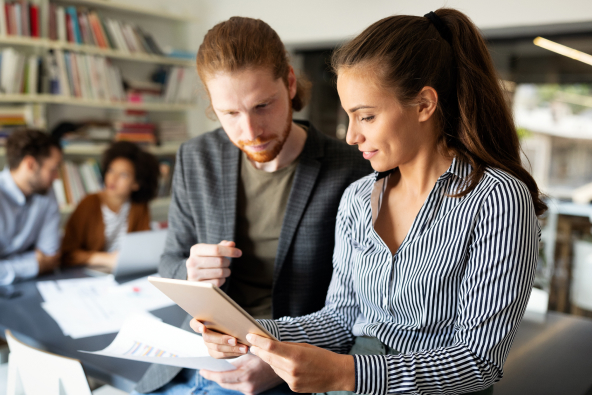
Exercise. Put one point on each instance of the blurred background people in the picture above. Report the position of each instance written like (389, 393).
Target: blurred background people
(94, 230)
(29, 214)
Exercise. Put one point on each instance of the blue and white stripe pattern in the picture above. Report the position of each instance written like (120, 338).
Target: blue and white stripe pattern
(450, 299)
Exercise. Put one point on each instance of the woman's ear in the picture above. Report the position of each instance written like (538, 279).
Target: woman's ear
(428, 101)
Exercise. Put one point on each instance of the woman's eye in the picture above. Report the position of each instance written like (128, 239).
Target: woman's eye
(371, 117)
(260, 106)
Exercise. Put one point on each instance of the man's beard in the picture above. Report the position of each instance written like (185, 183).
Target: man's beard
(37, 186)
(269, 154)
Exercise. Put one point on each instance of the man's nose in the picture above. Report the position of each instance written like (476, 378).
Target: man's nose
(250, 129)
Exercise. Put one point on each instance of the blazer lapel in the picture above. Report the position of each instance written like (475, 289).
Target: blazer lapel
(230, 179)
(304, 181)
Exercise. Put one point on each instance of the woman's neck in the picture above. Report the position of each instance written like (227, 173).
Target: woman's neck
(419, 175)
(113, 202)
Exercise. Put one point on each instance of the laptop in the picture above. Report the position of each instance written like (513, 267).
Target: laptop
(139, 254)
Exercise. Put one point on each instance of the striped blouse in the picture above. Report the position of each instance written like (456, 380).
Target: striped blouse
(450, 299)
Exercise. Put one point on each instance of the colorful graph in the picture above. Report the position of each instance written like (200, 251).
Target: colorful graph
(146, 350)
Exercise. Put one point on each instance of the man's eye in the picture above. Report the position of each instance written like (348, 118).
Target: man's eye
(263, 105)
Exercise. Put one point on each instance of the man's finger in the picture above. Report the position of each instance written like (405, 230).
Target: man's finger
(209, 262)
(215, 250)
(211, 274)
(231, 377)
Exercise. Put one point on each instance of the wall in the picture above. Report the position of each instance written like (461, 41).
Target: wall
(314, 23)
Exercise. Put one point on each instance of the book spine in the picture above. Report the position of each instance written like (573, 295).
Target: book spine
(34, 15)
(3, 19)
(75, 27)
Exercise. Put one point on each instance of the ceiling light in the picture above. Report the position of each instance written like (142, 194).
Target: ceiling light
(563, 50)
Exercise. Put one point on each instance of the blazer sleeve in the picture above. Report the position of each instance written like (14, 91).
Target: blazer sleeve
(78, 225)
(181, 227)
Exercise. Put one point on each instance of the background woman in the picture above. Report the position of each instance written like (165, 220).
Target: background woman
(95, 228)
(436, 252)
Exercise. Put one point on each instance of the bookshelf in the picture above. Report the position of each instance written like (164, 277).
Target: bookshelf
(89, 49)
(131, 9)
(64, 100)
(124, 37)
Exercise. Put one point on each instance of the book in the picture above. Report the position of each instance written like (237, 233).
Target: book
(71, 10)
(3, 27)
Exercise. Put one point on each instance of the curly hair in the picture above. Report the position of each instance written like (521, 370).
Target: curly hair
(29, 142)
(146, 168)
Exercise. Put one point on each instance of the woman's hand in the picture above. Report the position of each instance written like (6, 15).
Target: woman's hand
(106, 260)
(304, 367)
(220, 346)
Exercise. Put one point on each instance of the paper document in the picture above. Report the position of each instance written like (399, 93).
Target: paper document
(97, 305)
(143, 338)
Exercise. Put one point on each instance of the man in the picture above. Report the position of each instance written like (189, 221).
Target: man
(254, 203)
(29, 214)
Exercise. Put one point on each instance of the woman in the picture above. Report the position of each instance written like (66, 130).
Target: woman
(436, 252)
(95, 228)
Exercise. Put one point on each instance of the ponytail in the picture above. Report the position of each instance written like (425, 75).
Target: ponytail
(408, 53)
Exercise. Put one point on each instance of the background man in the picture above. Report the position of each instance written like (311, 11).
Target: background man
(254, 203)
(29, 214)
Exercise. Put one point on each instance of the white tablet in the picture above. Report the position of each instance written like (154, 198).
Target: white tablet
(211, 306)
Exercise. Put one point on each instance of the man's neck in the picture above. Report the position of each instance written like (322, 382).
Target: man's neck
(21, 182)
(290, 151)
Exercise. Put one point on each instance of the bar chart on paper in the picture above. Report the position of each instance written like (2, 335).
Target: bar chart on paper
(144, 338)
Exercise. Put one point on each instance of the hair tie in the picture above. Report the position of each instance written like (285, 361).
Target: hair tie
(440, 26)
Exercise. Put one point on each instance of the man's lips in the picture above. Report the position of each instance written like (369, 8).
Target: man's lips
(258, 148)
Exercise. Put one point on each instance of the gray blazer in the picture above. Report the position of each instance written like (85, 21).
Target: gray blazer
(203, 210)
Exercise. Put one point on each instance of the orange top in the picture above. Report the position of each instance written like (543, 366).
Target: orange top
(85, 230)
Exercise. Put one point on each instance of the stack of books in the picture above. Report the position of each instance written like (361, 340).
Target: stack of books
(84, 76)
(19, 73)
(77, 180)
(181, 85)
(172, 131)
(16, 117)
(142, 133)
(83, 26)
(19, 18)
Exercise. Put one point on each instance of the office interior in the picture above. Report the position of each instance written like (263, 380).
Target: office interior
(542, 52)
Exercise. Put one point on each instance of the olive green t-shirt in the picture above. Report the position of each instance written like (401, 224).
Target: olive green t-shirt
(261, 204)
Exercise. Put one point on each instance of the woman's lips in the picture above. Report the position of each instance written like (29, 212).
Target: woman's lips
(369, 154)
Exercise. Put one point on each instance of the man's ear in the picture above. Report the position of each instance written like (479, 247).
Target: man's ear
(30, 163)
(292, 83)
(428, 101)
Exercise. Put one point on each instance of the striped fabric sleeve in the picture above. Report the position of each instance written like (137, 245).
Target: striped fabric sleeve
(330, 327)
(494, 292)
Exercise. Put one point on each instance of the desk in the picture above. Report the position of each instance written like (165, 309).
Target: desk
(24, 316)
(552, 356)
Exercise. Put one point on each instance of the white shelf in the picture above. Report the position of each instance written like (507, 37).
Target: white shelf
(89, 49)
(57, 99)
(117, 6)
(97, 149)
(156, 204)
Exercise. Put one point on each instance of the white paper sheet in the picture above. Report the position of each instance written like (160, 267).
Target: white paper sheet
(143, 338)
(97, 305)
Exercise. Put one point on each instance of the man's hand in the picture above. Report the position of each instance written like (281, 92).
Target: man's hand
(209, 262)
(46, 262)
(304, 367)
(252, 376)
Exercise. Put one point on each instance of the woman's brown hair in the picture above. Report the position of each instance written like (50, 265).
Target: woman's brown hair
(146, 168)
(243, 43)
(408, 53)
